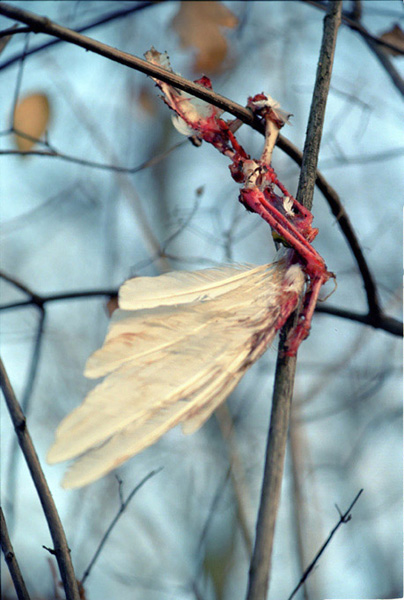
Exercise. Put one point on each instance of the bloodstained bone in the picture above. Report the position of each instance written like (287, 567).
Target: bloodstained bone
(289, 220)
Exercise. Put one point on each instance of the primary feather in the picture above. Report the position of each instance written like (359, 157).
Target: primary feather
(174, 351)
(182, 287)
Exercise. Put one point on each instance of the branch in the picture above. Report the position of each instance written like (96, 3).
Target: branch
(9, 557)
(122, 508)
(61, 548)
(102, 21)
(44, 25)
(384, 322)
(286, 366)
(345, 518)
(13, 30)
(53, 153)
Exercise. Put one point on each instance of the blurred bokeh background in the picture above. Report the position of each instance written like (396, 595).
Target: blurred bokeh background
(69, 226)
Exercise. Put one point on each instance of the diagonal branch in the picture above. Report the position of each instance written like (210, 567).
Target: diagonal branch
(344, 518)
(108, 18)
(260, 566)
(40, 24)
(11, 560)
(121, 510)
(61, 549)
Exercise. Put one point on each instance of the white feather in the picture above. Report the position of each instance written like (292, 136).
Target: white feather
(174, 361)
(181, 287)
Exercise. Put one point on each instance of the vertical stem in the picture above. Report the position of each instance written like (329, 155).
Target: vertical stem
(311, 150)
(62, 551)
(273, 473)
(286, 366)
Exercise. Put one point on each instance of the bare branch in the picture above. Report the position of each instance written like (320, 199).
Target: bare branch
(109, 18)
(11, 560)
(13, 30)
(285, 368)
(53, 153)
(344, 518)
(61, 548)
(384, 322)
(122, 508)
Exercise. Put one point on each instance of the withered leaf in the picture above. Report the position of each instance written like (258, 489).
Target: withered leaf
(31, 117)
(199, 25)
(394, 36)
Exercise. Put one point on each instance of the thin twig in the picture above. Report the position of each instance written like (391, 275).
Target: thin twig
(10, 31)
(344, 518)
(122, 508)
(19, 81)
(11, 560)
(61, 548)
(384, 322)
(93, 164)
(285, 368)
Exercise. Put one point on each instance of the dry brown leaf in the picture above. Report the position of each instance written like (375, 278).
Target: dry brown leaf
(31, 117)
(199, 24)
(112, 305)
(394, 36)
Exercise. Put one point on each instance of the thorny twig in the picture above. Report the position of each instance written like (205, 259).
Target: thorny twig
(11, 560)
(61, 548)
(344, 518)
(122, 508)
(286, 365)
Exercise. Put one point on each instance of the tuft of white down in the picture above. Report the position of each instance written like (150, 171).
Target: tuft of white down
(174, 351)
